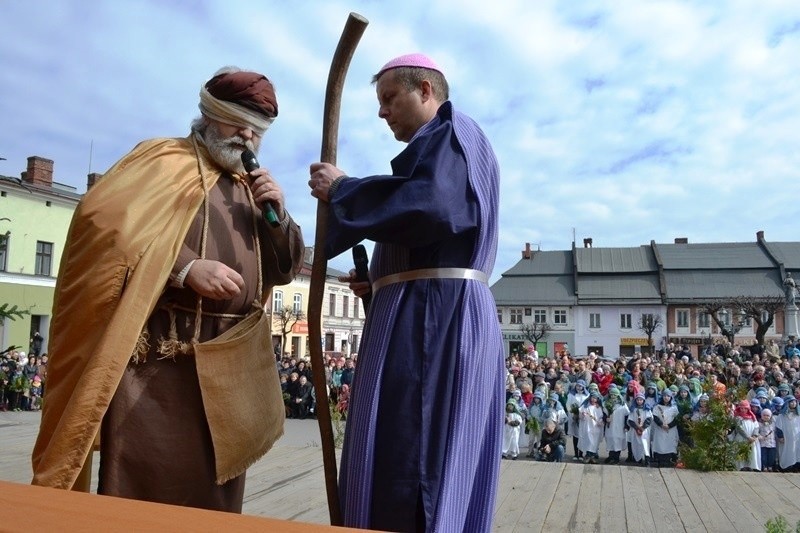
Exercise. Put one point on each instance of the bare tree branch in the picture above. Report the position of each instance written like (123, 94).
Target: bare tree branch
(648, 324)
(285, 319)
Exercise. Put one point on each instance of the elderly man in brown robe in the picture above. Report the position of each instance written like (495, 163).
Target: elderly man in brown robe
(160, 343)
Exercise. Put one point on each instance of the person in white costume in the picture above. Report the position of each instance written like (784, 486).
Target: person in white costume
(787, 426)
(616, 414)
(747, 431)
(664, 431)
(590, 428)
(639, 421)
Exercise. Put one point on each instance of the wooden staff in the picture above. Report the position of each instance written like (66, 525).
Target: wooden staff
(353, 29)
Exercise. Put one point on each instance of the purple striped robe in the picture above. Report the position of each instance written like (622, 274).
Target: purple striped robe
(424, 429)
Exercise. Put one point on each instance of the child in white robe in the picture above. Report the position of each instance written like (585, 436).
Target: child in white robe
(664, 431)
(747, 431)
(616, 413)
(639, 421)
(590, 428)
(511, 430)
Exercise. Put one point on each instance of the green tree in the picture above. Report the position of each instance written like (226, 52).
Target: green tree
(710, 447)
(12, 312)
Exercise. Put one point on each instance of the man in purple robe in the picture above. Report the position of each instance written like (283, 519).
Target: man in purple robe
(424, 429)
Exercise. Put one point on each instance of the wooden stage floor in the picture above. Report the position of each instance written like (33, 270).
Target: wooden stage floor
(288, 484)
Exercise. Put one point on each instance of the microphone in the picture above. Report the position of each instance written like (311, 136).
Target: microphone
(250, 164)
(362, 272)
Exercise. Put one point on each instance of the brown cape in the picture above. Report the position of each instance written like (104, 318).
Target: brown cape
(122, 243)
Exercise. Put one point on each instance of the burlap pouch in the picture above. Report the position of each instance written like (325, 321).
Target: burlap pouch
(241, 394)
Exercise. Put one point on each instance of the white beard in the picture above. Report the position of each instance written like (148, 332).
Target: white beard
(227, 151)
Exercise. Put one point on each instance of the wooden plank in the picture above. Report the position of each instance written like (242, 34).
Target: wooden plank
(507, 474)
(637, 509)
(66, 510)
(588, 504)
(683, 505)
(754, 495)
(729, 501)
(523, 479)
(612, 517)
(711, 514)
(785, 496)
(542, 498)
(662, 509)
(562, 513)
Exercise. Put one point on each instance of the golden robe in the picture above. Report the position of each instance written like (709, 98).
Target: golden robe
(123, 241)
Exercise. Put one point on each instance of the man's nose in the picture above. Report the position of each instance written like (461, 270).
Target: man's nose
(247, 133)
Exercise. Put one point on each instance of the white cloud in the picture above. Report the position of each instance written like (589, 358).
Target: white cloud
(627, 121)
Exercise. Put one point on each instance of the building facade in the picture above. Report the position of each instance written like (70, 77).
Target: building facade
(342, 315)
(35, 213)
(603, 299)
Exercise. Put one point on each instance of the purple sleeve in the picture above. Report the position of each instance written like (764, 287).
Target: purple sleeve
(428, 199)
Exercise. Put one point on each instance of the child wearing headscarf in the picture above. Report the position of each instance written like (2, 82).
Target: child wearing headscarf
(701, 409)
(766, 441)
(695, 389)
(665, 431)
(685, 407)
(651, 395)
(553, 410)
(747, 431)
(590, 429)
(631, 391)
(616, 414)
(513, 422)
(533, 424)
(787, 427)
(576, 397)
(639, 421)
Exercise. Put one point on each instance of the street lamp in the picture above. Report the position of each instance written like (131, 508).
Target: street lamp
(738, 324)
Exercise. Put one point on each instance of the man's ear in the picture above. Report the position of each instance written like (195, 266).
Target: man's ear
(426, 90)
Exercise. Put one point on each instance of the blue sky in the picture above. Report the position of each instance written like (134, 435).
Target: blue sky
(623, 121)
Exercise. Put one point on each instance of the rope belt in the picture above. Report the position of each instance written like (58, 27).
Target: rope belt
(430, 273)
(203, 313)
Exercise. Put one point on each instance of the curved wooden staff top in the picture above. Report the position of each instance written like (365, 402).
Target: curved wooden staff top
(353, 29)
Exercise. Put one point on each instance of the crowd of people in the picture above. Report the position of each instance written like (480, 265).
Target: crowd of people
(641, 404)
(645, 404)
(22, 380)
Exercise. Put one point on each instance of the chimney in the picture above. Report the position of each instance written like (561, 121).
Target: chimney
(40, 172)
(587, 242)
(681, 240)
(526, 253)
(92, 179)
(760, 235)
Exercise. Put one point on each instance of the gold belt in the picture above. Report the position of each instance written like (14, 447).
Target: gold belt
(430, 273)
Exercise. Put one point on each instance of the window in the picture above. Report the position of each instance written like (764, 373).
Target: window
(682, 318)
(355, 307)
(44, 258)
(331, 304)
(594, 320)
(4, 252)
(724, 316)
(499, 316)
(703, 320)
(277, 301)
(516, 315)
(298, 303)
(625, 321)
(540, 316)
(560, 317)
(345, 306)
(527, 311)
